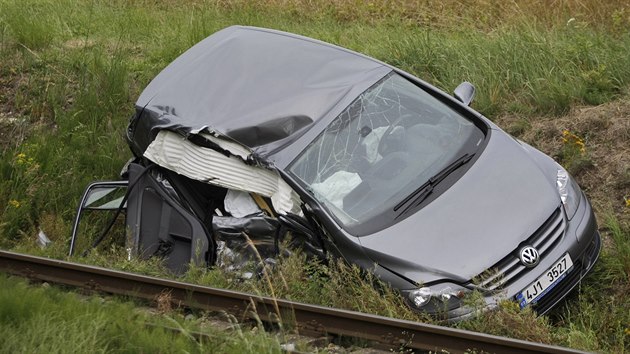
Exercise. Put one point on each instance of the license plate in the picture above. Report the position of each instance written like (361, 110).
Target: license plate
(546, 282)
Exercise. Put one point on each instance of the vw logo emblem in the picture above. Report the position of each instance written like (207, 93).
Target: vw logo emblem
(529, 256)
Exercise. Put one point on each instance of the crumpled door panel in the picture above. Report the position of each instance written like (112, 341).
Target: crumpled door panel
(159, 226)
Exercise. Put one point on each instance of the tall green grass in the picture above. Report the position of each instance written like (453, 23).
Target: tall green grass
(35, 319)
(598, 317)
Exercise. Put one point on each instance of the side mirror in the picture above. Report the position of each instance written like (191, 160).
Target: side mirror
(465, 93)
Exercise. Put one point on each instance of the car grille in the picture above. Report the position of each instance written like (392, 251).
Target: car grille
(508, 269)
(580, 268)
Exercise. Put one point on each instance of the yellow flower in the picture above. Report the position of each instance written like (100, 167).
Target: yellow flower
(14, 203)
(627, 202)
(20, 158)
(573, 142)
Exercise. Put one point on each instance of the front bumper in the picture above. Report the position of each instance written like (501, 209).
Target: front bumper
(580, 239)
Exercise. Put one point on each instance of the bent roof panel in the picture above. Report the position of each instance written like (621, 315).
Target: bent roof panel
(254, 85)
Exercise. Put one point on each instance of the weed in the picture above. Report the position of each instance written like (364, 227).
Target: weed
(573, 154)
(624, 179)
(510, 321)
(597, 316)
(619, 257)
(164, 302)
(519, 127)
(45, 319)
(30, 23)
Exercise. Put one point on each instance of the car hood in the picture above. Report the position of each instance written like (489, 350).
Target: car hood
(499, 202)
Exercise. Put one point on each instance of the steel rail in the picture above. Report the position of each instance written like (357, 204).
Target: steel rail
(311, 319)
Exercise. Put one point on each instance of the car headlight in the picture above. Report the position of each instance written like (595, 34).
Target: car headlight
(438, 298)
(569, 192)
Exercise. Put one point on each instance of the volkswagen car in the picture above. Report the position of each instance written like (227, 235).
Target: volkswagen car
(255, 141)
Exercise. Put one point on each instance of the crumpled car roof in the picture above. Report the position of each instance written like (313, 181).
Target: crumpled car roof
(256, 86)
(259, 87)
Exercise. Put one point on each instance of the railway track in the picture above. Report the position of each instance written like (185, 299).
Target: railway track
(384, 332)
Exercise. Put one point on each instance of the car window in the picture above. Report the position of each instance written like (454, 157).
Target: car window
(389, 141)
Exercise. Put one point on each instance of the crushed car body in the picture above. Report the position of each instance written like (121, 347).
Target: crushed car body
(256, 138)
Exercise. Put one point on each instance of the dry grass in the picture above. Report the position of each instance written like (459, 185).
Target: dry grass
(510, 321)
(482, 14)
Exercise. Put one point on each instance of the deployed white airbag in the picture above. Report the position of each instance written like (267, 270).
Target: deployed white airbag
(337, 186)
(240, 204)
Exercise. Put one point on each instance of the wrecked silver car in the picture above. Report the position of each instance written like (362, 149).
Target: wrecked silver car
(255, 138)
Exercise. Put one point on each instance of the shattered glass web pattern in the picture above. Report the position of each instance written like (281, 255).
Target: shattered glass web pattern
(392, 127)
(339, 148)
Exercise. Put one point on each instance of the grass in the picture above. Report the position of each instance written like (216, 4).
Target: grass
(599, 319)
(71, 70)
(72, 78)
(40, 319)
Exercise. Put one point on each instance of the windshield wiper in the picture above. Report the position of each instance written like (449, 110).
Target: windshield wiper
(421, 193)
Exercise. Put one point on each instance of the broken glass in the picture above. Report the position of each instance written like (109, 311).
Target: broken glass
(389, 141)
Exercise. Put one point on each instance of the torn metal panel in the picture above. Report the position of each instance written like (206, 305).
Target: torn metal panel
(234, 148)
(172, 151)
(244, 240)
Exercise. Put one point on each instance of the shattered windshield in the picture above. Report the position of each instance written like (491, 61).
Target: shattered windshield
(388, 142)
